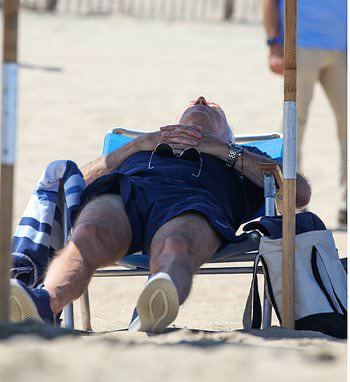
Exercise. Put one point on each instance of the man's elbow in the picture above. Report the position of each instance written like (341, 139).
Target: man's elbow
(303, 195)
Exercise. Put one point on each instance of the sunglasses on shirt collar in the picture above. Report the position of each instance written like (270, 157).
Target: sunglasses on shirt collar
(190, 153)
(166, 151)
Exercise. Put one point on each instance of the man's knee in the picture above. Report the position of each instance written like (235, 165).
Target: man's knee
(175, 251)
(97, 245)
(87, 232)
(177, 244)
(104, 222)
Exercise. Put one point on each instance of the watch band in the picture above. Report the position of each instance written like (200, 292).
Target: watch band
(274, 41)
(234, 152)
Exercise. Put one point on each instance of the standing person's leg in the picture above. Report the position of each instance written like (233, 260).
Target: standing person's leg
(102, 234)
(334, 81)
(178, 249)
(308, 64)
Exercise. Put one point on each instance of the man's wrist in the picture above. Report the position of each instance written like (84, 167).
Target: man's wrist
(234, 152)
(138, 143)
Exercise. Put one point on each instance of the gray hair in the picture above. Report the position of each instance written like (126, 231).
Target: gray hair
(230, 135)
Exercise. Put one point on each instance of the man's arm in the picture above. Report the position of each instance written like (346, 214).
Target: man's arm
(104, 165)
(145, 142)
(271, 17)
(272, 25)
(249, 165)
(250, 162)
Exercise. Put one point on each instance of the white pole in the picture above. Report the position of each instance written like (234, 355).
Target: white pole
(289, 163)
(8, 146)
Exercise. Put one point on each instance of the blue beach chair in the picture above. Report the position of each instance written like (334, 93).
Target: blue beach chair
(242, 251)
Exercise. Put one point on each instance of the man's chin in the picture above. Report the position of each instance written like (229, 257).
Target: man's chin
(198, 117)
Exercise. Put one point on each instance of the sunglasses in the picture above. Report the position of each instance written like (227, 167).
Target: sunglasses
(166, 151)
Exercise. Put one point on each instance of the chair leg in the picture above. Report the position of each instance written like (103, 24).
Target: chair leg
(267, 309)
(68, 316)
(85, 311)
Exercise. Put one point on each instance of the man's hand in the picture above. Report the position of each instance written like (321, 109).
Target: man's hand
(276, 59)
(180, 136)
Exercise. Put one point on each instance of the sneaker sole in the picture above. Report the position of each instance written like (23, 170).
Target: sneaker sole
(22, 306)
(157, 305)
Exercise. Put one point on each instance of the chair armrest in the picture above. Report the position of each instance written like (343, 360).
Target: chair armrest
(246, 138)
(127, 132)
(239, 138)
(274, 170)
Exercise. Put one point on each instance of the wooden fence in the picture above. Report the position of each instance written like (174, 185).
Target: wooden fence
(239, 10)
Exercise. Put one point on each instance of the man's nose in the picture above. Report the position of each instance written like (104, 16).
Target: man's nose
(201, 101)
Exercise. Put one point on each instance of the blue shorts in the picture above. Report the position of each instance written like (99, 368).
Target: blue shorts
(150, 202)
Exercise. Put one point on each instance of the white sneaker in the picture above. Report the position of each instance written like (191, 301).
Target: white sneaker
(157, 305)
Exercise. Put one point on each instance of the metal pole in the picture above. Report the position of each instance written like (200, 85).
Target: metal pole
(68, 309)
(289, 163)
(8, 146)
(270, 193)
(229, 9)
(51, 5)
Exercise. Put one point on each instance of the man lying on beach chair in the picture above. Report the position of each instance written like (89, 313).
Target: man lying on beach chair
(177, 194)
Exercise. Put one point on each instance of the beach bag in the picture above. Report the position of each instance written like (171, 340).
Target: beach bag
(320, 278)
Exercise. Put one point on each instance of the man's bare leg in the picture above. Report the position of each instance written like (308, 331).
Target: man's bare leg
(102, 235)
(178, 249)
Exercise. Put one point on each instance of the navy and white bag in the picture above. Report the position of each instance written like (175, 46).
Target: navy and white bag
(320, 278)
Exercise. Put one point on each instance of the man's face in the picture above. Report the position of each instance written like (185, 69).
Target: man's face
(209, 116)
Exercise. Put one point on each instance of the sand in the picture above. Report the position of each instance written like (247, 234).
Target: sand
(79, 77)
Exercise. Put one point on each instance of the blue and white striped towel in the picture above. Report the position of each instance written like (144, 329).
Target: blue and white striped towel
(39, 232)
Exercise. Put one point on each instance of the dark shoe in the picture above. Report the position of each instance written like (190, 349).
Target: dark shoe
(29, 303)
(343, 217)
(23, 269)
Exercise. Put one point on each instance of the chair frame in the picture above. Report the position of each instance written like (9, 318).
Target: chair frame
(236, 252)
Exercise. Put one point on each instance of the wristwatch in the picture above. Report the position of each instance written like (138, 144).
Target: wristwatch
(274, 41)
(234, 152)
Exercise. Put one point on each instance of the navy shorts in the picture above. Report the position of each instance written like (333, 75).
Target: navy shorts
(150, 202)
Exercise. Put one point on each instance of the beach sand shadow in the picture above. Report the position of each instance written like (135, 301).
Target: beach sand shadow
(36, 328)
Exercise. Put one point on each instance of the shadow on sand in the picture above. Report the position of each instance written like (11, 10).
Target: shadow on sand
(35, 328)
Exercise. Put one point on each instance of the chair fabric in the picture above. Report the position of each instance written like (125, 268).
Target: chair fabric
(39, 232)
